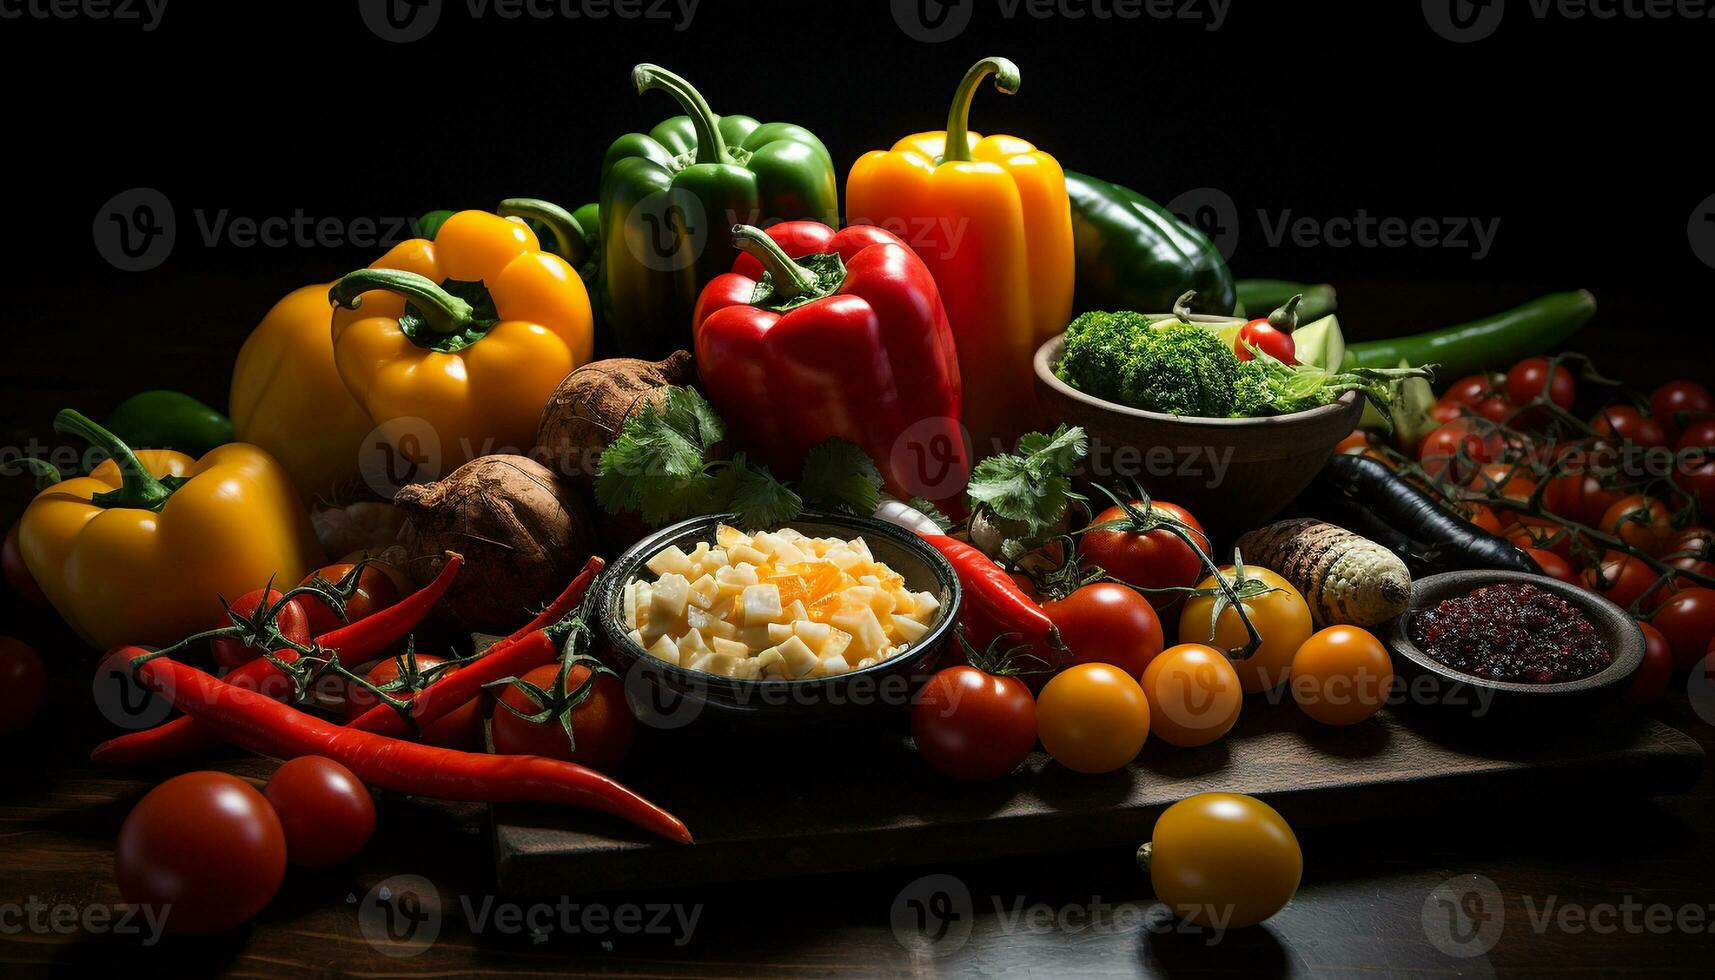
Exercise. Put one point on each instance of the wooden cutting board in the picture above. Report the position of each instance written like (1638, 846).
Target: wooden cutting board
(772, 809)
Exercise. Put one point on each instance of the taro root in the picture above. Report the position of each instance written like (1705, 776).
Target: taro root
(522, 530)
(585, 413)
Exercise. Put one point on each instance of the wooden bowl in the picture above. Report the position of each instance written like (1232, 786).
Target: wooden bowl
(1231, 474)
(1429, 682)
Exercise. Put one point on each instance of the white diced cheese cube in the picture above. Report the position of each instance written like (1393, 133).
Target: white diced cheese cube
(927, 607)
(731, 648)
(755, 638)
(670, 560)
(704, 591)
(747, 669)
(637, 638)
(796, 611)
(813, 634)
(665, 649)
(768, 659)
(843, 557)
(731, 580)
(722, 629)
(909, 629)
(720, 664)
(726, 536)
(865, 662)
(869, 580)
(778, 632)
(903, 602)
(745, 554)
(698, 619)
(861, 546)
(762, 605)
(766, 543)
(787, 552)
(837, 645)
(630, 604)
(857, 595)
(867, 635)
(692, 643)
(669, 597)
(799, 659)
(832, 665)
(716, 558)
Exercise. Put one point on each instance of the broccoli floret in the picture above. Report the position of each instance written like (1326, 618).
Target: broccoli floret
(1098, 347)
(1182, 370)
(1253, 392)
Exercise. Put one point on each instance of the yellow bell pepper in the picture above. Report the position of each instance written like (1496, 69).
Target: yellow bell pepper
(990, 217)
(287, 396)
(144, 549)
(471, 333)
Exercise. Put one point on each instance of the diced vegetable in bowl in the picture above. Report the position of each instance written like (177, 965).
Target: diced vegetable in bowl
(774, 605)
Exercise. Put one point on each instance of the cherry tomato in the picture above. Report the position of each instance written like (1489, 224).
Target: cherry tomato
(1108, 623)
(1535, 533)
(1653, 674)
(1481, 516)
(1626, 422)
(1619, 578)
(459, 729)
(1341, 675)
(325, 811)
(1355, 443)
(1697, 434)
(1496, 408)
(1280, 616)
(1263, 336)
(23, 684)
(1092, 718)
(1687, 620)
(1640, 521)
(1440, 451)
(293, 622)
(1553, 565)
(1695, 542)
(1445, 410)
(1159, 559)
(1473, 388)
(18, 575)
(1528, 379)
(203, 850)
(973, 725)
(375, 592)
(1699, 481)
(1579, 497)
(1508, 480)
(602, 723)
(1194, 695)
(1682, 396)
(1222, 860)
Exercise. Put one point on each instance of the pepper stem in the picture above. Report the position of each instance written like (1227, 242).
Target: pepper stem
(1285, 319)
(711, 148)
(1182, 305)
(790, 279)
(1006, 81)
(140, 490)
(567, 236)
(441, 311)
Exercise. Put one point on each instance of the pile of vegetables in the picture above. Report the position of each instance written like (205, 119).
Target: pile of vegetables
(470, 459)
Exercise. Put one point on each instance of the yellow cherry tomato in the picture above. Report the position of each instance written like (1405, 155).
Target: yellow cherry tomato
(1194, 695)
(1092, 718)
(1222, 860)
(1280, 615)
(1341, 675)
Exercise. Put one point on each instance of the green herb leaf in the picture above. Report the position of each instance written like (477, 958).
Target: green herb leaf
(1032, 489)
(839, 476)
(928, 509)
(759, 500)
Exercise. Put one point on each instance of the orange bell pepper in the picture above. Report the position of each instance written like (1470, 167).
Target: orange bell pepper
(990, 218)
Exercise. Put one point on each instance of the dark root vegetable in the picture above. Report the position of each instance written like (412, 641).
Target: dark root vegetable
(523, 532)
(585, 413)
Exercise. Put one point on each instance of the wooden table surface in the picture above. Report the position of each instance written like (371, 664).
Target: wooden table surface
(1580, 891)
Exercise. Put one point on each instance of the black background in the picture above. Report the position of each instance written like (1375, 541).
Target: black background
(1580, 136)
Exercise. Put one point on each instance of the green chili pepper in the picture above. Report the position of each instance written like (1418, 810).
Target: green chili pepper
(163, 419)
(1492, 343)
(1132, 254)
(1257, 297)
(669, 197)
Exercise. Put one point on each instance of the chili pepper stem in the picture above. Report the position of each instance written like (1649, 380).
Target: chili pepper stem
(711, 147)
(140, 490)
(1006, 81)
(442, 312)
(790, 279)
(560, 223)
(1285, 319)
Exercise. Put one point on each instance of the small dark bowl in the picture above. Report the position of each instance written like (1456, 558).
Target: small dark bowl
(667, 696)
(1429, 682)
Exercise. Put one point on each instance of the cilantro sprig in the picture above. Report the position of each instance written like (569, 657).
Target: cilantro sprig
(665, 467)
(1027, 493)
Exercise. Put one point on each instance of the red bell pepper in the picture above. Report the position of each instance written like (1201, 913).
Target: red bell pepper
(844, 337)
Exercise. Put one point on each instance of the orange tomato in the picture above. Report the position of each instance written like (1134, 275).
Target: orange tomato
(1194, 695)
(1341, 676)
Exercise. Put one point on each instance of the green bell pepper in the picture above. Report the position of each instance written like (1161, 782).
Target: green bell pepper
(576, 237)
(163, 419)
(1133, 254)
(670, 197)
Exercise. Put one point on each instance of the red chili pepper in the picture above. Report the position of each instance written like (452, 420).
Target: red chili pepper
(355, 642)
(268, 727)
(994, 604)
